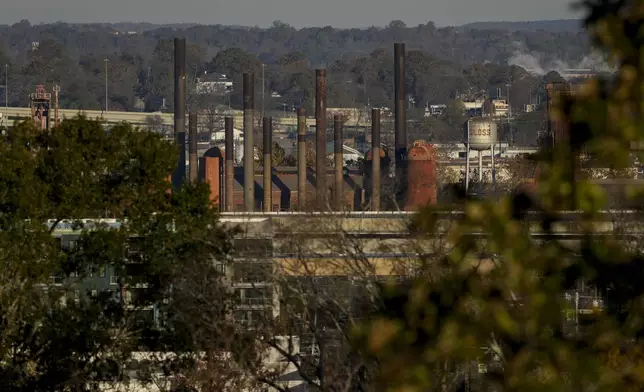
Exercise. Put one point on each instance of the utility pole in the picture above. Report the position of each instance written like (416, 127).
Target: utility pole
(6, 91)
(509, 114)
(263, 84)
(56, 91)
(106, 107)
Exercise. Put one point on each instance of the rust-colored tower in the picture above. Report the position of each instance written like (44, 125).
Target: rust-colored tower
(422, 176)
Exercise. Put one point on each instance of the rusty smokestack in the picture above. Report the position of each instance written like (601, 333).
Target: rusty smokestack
(180, 108)
(301, 158)
(230, 162)
(401, 120)
(249, 150)
(192, 147)
(320, 137)
(267, 123)
(338, 162)
(375, 159)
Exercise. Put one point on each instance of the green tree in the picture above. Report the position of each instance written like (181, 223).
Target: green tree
(500, 297)
(56, 337)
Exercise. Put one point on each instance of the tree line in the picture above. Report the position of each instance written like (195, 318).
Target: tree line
(444, 65)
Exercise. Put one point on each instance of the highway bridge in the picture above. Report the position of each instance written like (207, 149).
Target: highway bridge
(135, 118)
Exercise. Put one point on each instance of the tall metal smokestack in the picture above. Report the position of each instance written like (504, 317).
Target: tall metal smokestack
(301, 158)
(401, 122)
(192, 147)
(268, 181)
(339, 163)
(375, 159)
(320, 137)
(249, 151)
(180, 108)
(230, 162)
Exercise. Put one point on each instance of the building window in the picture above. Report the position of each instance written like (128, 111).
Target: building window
(102, 272)
(114, 278)
(94, 293)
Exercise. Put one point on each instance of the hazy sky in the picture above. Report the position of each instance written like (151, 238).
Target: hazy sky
(299, 13)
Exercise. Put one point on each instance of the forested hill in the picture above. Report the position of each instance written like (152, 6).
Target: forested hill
(443, 64)
(552, 26)
(319, 44)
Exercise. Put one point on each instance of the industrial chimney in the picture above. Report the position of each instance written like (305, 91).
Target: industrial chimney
(301, 158)
(249, 150)
(268, 181)
(192, 147)
(230, 162)
(338, 162)
(320, 137)
(180, 108)
(375, 159)
(400, 120)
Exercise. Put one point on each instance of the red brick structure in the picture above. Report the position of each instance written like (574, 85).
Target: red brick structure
(421, 176)
(284, 188)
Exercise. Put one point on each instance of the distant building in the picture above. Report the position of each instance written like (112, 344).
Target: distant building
(434, 110)
(216, 84)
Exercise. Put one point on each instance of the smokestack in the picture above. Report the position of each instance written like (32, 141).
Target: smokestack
(180, 108)
(268, 141)
(375, 159)
(401, 121)
(249, 152)
(192, 147)
(230, 162)
(320, 137)
(339, 163)
(301, 158)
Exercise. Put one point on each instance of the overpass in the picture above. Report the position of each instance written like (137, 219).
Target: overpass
(136, 118)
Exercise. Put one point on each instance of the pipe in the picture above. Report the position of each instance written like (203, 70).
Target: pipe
(375, 160)
(467, 164)
(192, 147)
(180, 108)
(320, 137)
(249, 150)
(400, 120)
(338, 162)
(493, 167)
(268, 144)
(480, 168)
(230, 162)
(301, 159)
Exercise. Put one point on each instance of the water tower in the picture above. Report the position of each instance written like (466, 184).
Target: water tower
(481, 136)
(40, 107)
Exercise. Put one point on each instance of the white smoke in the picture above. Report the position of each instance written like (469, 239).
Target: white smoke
(538, 64)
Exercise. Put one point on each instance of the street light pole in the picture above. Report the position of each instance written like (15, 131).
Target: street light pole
(263, 84)
(509, 113)
(106, 107)
(6, 91)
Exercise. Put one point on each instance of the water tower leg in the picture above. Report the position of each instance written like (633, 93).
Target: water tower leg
(480, 167)
(467, 167)
(493, 167)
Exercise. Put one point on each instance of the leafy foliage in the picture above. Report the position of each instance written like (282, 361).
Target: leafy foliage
(500, 299)
(64, 323)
